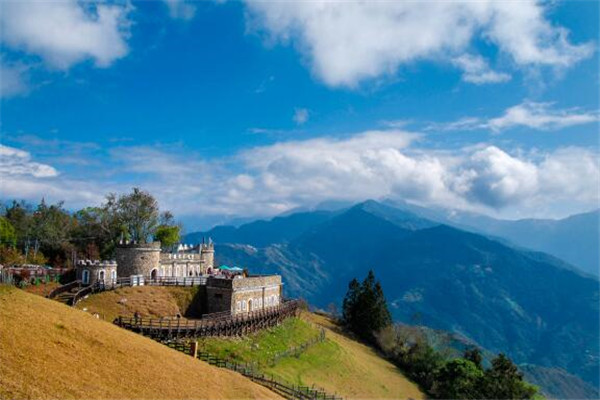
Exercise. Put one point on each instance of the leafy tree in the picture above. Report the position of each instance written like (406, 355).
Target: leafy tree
(19, 216)
(167, 235)
(458, 379)
(473, 354)
(8, 237)
(504, 381)
(11, 256)
(138, 213)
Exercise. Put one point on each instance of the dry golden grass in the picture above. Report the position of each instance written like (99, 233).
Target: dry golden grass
(343, 365)
(51, 351)
(148, 301)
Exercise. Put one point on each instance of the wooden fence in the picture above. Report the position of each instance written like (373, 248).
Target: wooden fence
(236, 325)
(249, 370)
(64, 288)
(96, 287)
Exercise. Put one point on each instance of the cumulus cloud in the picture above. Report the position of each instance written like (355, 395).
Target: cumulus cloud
(64, 33)
(350, 42)
(533, 115)
(268, 180)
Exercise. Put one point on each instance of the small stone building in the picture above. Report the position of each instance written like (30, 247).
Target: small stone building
(90, 272)
(242, 295)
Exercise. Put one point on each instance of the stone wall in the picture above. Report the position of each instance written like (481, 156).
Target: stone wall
(242, 295)
(218, 294)
(138, 259)
(255, 293)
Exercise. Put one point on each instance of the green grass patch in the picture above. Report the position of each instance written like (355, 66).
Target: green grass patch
(261, 346)
(296, 370)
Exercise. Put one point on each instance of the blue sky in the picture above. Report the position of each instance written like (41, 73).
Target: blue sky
(244, 109)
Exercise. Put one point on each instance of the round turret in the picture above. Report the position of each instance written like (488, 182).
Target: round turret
(138, 259)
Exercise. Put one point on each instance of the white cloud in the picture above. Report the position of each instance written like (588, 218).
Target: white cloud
(15, 162)
(13, 80)
(268, 180)
(477, 70)
(539, 116)
(181, 9)
(300, 116)
(66, 32)
(350, 42)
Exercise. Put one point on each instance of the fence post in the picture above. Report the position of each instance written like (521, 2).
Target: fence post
(194, 349)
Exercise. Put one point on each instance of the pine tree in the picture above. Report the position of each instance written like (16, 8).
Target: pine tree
(365, 309)
(350, 303)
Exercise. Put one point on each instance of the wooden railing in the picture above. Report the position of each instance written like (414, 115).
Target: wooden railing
(249, 370)
(125, 282)
(63, 289)
(236, 325)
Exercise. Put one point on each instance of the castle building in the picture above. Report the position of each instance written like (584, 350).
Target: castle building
(243, 295)
(217, 293)
(148, 260)
(89, 272)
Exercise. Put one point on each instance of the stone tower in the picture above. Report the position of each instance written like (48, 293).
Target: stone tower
(137, 259)
(207, 255)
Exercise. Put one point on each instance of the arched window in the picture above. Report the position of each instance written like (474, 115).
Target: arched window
(153, 274)
(250, 305)
(85, 277)
(101, 275)
(244, 305)
(113, 276)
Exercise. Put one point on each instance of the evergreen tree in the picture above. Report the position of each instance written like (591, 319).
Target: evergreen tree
(365, 309)
(350, 303)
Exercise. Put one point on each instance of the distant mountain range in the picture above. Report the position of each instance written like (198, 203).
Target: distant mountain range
(535, 307)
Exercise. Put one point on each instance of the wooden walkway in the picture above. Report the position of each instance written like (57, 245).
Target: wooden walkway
(224, 325)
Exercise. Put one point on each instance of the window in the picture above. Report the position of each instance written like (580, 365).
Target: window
(113, 276)
(244, 305)
(85, 276)
(238, 306)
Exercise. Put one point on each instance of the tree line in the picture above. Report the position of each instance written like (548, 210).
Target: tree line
(50, 234)
(365, 313)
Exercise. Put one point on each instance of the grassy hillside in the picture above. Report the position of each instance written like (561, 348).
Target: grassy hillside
(148, 301)
(51, 351)
(338, 364)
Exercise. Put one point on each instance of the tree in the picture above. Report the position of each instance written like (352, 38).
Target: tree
(504, 381)
(365, 309)
(167, 235)
(138, 213)
(473, 354)
(8, 237)
(458, 379)
(350, 303)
